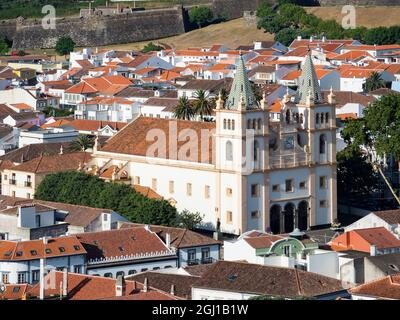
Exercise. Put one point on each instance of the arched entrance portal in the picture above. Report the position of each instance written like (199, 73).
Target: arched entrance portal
(302, 217)
(275, 219)
(289, 217)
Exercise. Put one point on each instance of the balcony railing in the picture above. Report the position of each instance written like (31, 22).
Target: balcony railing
(13, 181)
(28, 184)
(289, 160)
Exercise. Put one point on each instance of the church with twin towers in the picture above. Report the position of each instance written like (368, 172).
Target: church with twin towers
(264, 175)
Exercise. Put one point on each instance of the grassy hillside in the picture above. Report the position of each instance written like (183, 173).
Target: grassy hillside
(10, 9)
(369, 17)
(232, 33)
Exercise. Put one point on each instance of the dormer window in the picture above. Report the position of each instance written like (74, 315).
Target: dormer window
(62, 249)
(33, 252)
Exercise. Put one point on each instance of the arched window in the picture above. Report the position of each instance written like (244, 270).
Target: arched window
(233, 124)
(327, 117)
(120, 273)
(108, 275)
(297, 118)
(259, 124)
(254, 124)
(317, 118)
(229, 151)
(224, 124)
(132, 272)
(229, 124)
(248, 124)
(322, 144)
(301, 118)
(322, 118)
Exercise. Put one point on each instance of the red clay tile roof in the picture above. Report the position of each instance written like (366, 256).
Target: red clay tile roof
(264, 241)
(380, 237)
(86, 287)
(121, 242)
(36, 249)
(180, 238)
(164, 281)
(266, 280)
(94, 125)
(132, 139)
(385, 288)
(77, 215)
(14, 291)
(54, 163)
(147, 192)
(390, 216)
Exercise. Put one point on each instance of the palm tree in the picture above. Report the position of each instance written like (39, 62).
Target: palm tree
(83, 143)
(184, 110)
(374, 82)
(202, 106)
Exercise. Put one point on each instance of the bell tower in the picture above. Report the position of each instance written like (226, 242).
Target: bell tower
(242, 126)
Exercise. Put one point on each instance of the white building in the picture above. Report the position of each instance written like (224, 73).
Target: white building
(288, 180)
(59, 134)
(20, 260)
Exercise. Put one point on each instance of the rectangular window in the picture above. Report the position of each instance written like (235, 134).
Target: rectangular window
(4, 277)
(189, 189)
(205, 255)
(77, 269)
(322, 182)
(255, 214)
(171, 187)
(275, 188)
(21, 277)
(207, 192)
(323, 203)
(302, 185)
(255, 190)
(228, 192)
(229, 217)
(154, 184)
(192, 255)
(289, 185)
(28, 195)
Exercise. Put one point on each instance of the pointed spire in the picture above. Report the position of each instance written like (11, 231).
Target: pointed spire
(241, 87)
(309, 83)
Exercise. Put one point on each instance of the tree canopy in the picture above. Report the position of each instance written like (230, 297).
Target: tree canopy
(150, 47)
(4, 46)
(82, 189)
(64, 46)
(200, 16)
(288, 20)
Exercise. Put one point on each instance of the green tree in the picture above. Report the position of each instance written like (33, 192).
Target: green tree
(82, 189)
(83, 142)
(378, 132)
(356, 177)
(3, 47)
(200, 16)
(374, 82)
(184, 109)
(286, 36)
(64, 46)
(202, 105)
(150, 47)
(189, 220)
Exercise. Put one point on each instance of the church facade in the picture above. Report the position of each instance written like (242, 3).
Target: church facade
(243, 171)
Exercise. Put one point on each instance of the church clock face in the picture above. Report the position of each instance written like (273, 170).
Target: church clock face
(288, 143)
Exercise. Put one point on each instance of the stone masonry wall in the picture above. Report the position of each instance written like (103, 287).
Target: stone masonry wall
(97, 30)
